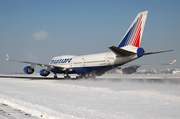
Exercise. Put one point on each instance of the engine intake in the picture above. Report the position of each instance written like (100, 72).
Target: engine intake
(28, 70)
(44, 72)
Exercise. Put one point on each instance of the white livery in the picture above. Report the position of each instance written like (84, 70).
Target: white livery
(97, 64)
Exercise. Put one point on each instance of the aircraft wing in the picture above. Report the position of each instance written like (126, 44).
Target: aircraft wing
(42, 65)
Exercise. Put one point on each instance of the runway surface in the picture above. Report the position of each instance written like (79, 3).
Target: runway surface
(108, 96)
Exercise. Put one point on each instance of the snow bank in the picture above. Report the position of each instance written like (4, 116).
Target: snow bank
(109, 98)
(33, 109)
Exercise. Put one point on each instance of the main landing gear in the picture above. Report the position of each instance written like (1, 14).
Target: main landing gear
(66, 76)
(86, 76)
(81, 76)
(55, 76)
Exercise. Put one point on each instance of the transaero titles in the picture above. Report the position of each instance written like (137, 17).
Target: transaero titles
(68, 60)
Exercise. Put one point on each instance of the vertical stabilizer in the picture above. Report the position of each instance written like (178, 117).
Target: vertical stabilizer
(134, 34)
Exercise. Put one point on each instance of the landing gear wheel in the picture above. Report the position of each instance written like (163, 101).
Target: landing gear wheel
(67, 77)
(92, 76)
(81, 76)
(77, 77)
(55, 76)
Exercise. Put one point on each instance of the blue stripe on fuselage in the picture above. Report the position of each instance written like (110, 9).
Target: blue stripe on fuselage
(80, 70)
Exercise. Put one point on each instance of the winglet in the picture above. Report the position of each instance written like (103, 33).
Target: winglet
(7, 57)
(173, 61)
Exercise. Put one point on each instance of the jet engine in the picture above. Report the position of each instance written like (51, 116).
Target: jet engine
(140, 52)
(44, 72)
(28, 70)
(130, 70)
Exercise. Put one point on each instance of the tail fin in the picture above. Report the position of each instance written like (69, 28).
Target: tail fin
(134, 34)
(7, 57)
(173, 62)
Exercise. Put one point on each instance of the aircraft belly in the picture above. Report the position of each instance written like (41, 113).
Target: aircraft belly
(92, 69)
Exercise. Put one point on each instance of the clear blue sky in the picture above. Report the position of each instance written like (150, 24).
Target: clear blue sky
(37, 30)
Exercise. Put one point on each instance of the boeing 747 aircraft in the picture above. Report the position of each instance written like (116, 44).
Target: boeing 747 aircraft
(97, 64)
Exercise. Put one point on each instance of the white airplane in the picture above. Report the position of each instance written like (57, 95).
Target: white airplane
(97, 64)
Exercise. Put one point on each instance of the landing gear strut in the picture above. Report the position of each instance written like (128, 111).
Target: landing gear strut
(55, 75)
(81, 76)
(66, 76)
(93, 76)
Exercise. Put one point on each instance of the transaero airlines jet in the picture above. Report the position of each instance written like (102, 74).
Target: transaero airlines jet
(97, 64)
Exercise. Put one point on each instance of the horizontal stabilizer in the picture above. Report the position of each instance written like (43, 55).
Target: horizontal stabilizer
(149, 53)
(120, 52)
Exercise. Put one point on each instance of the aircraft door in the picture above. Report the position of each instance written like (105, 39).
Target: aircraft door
(71, 63)
(83, 62)
(107, 61)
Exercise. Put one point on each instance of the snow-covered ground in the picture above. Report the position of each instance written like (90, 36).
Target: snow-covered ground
(107, 97)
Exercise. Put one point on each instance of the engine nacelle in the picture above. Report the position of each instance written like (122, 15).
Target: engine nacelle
(44, 72)
(28, 70)
(130, 70)
(140, 52)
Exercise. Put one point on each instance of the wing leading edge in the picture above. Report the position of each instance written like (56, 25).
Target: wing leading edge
(49, 67)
